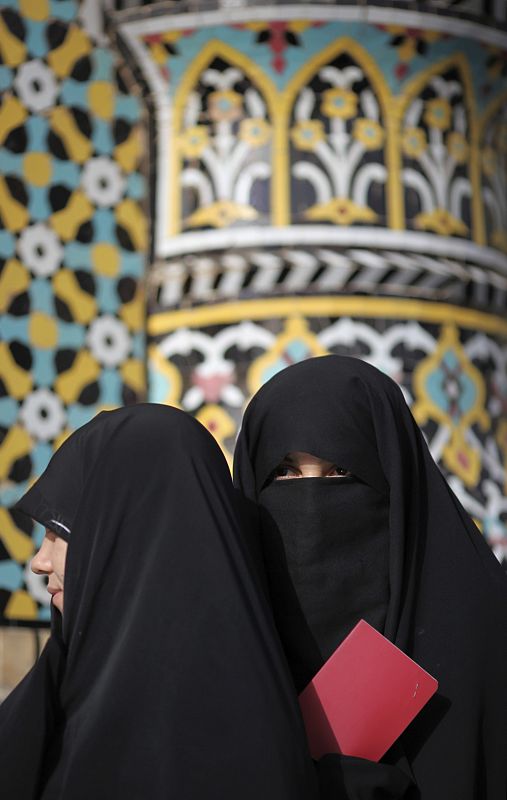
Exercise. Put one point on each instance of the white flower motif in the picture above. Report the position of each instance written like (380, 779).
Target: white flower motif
(102, 181)
(40, 249)
(43, 414)
(109, 340)
(36, 85)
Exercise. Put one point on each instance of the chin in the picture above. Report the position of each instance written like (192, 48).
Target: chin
(58, 603)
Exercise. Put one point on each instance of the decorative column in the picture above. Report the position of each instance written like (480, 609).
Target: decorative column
(333, 179)
(73, 244)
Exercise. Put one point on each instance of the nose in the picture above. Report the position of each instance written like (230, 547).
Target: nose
(41, 562)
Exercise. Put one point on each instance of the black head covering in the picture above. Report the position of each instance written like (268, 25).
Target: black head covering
(168, 679)
(446, 593)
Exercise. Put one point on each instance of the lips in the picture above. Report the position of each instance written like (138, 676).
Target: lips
(52, 591)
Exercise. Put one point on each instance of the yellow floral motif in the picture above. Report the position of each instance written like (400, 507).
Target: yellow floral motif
(451, 390)
(307, 134)
(410, 40)
(340, 103)
(414, 142)
(438, 113)
(489, 163)
(220, 425)
(255, 131)
(221, 214)
(441, 221)
(369, 133)
(295, 343)
(341, 211)
(194, 141)
(457, 146)
(225, 106)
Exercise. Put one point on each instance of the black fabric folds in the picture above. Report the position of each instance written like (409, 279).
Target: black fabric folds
(168, 679)
(446, 603)
(326, 545)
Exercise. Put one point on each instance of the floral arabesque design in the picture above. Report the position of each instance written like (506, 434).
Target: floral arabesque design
(279, 35)
(409, 43)
(225, 148)
(451, 390)
(338, 136)
(295, 343)
(435, 145)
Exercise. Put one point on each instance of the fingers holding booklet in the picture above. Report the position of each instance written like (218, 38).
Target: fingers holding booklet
(364, 697)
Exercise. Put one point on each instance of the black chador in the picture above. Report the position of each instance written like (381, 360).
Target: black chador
(391, 544)
(166, 678)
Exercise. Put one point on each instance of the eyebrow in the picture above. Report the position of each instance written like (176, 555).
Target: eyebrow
(289, 460)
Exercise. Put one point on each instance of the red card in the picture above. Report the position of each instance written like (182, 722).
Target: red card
(364, 696)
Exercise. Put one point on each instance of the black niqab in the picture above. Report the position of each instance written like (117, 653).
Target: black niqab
(447, 593)
(168, 679)
(326, 546)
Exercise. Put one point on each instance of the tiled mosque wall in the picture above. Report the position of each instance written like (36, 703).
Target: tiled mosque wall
(334, 180)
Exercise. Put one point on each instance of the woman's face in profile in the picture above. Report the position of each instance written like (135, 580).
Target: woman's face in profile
(305, 465)
(50, 560)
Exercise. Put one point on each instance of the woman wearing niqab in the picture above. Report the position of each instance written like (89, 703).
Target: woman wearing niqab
(390, 543)
(165, 678)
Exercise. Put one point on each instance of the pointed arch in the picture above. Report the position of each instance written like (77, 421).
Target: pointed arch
(348, 46)
(414, 88)
(213, 49)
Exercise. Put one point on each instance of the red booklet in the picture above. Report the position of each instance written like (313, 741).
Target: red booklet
(364, 696)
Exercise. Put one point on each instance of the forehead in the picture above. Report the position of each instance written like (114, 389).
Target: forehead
(299, 457)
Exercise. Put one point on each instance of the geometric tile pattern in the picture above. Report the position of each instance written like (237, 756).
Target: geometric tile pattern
(73, 240)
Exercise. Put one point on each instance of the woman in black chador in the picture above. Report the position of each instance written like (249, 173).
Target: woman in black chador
(373, 531)
(164, 678)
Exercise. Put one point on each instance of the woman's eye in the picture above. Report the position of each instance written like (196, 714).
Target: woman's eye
(339, 472)
(285, 471)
